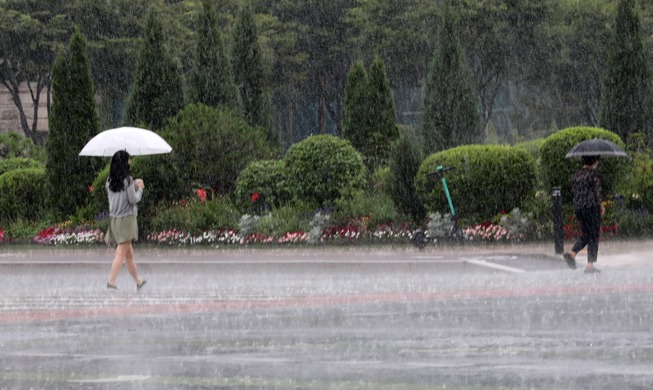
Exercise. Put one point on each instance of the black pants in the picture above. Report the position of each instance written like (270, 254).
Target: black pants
(590, 227)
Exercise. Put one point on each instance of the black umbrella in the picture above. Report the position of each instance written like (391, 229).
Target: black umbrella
(596, 147)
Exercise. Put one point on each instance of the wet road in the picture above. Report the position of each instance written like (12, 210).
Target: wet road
(325, 319)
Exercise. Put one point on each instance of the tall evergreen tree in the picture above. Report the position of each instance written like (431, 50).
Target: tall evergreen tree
(157, 91)
(406, 156)
(383, 108)
(626, 98)
(249, 73)
(356, 120)
(211, 81)
(451, 117)
(73, 121)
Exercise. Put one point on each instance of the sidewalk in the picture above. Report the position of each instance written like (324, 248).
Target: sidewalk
(612, 254)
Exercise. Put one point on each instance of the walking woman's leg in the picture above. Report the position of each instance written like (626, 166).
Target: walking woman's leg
(594, 236)
(121, 252)
(131, 265)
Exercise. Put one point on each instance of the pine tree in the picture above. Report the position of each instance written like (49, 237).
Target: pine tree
(381, 105)
(356, 119)
(157, 92)
(451, 117)
(211, 81)
(626, 100)
(73, 121)
(249, 74)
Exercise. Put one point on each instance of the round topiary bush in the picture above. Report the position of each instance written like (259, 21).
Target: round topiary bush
(322, 169)
(262, 183)
(557, 170)
(9, 164)
(22, 194)
(485, 180)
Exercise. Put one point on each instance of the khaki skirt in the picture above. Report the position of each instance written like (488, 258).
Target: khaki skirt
(122, 229)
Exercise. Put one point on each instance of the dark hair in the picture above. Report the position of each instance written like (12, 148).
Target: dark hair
(589, 160)
(119, 171)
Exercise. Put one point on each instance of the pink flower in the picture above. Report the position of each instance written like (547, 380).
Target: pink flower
(201, 193)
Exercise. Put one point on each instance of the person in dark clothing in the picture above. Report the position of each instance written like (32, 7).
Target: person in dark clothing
(588, 209)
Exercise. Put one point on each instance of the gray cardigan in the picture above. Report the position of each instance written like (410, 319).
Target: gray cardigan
(123, 203)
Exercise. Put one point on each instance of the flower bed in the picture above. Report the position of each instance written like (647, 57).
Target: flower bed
(55, 235)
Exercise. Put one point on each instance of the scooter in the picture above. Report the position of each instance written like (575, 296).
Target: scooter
(454, 232)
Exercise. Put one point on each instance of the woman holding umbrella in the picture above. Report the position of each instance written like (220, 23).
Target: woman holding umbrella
(124, 193)
(588, 209)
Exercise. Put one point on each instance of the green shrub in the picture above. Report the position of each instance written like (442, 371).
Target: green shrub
(211, 146)
(287, 219)
(194, 216)
(486, 180)
(99, 201)
(22, 194)
(266, 179)
(9, 164)
(406, 156)
(636, 185)
(16, 145)
(375, 208)
(557, 170)
(322, 169)
(633, 224)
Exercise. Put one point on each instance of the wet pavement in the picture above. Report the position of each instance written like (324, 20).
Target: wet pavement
(473, 317)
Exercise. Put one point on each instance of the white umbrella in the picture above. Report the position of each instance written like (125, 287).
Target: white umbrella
(137, 142)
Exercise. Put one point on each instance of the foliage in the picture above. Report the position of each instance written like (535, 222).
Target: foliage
(212, 145)
(369, 117)
(195, 216)
(15, 145)
(156, 93)
(249, 74)
(406, 156)
(21, 194)
(265, 178)
(626, 99)
(73, 121)
(9, 164)
(485, 180)
(322, 169)
(450, 113)
(374, 208)
(357, 121)
(636, 183)
(211, 79)
(557, 170)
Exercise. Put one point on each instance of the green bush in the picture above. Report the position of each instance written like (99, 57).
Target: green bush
(22, 194)
(406, 156)
(287, 219)
(486, 180)
(376, 208)
(9, 164)
(322, 169)
(194, 216)
(267, 179)
(15, 145)
(211, 146)
(557, 170)
(636, 185)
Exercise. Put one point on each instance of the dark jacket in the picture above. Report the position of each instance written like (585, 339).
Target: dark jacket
(586, 186)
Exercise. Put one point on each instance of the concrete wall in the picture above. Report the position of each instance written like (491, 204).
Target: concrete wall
(9, 116)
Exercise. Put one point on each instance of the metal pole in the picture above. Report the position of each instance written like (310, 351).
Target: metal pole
(558, 236)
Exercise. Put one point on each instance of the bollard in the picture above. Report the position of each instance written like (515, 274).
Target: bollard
(558, 237)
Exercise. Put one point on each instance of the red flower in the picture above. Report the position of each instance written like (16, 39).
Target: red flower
(90, 188)
(201, 194)
(255, 197)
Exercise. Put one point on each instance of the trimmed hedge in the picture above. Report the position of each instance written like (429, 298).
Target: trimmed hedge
(557, 170)
(324, 168)
(22, 194)
(267, 179)
(486, 180)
